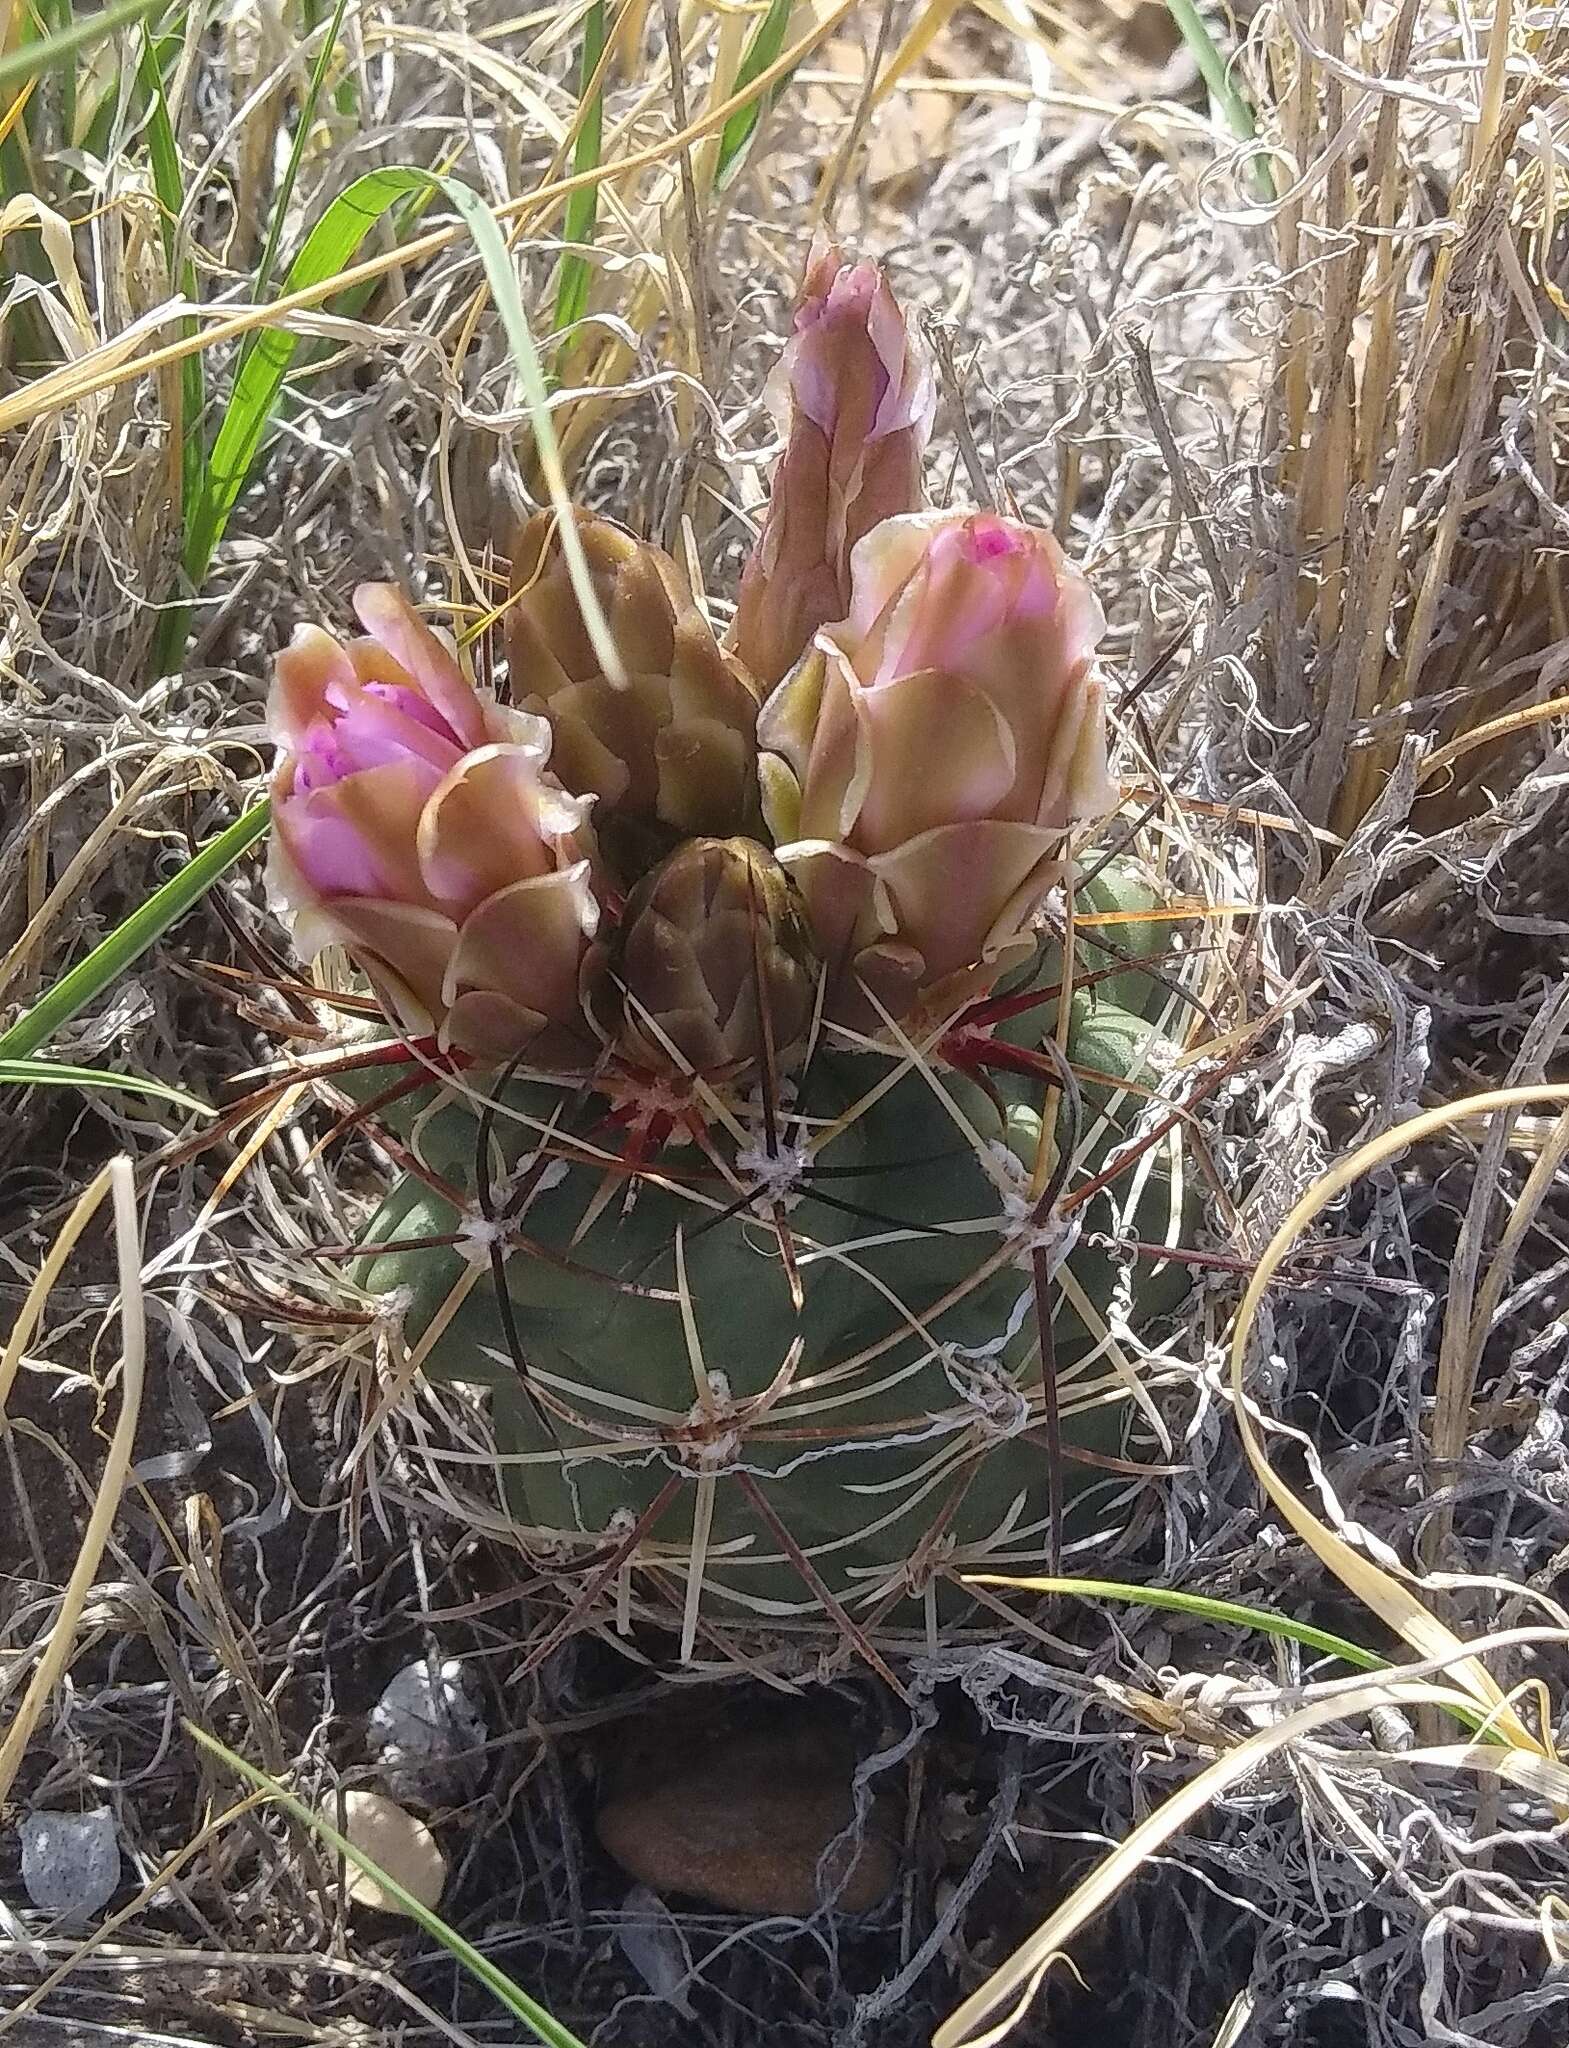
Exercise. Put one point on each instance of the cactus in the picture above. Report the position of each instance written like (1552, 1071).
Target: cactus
(773, 1455)
(788, 1212)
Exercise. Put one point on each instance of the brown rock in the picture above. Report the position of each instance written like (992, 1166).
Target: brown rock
(742, 1820)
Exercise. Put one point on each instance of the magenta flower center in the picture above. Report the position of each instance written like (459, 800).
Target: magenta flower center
(368, 727)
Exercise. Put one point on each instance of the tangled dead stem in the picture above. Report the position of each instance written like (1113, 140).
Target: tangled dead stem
(1160, 357)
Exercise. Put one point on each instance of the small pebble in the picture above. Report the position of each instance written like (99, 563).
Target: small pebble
(392, 1838)
(71, 1861)
(424, 1724)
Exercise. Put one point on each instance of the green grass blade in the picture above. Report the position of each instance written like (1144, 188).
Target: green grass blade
(583, 207)
(1213, 68)
(1231, 1613)
(767, 41)
(1223, 90)
(291, 171)
(345, 94)
(330, 246)
(169, 185)
(349, 305)
(503, 279)
(46, 1074)
(501, 1987)
(108, 960)
(29, 60)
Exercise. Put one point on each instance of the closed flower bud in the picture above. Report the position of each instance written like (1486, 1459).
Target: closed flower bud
(923, 768)
(669, 752)
(711, 966)
(416, 825)
(856, 396)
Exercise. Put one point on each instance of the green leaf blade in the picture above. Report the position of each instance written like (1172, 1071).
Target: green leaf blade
(509, 1994)
(582, 212)
(330, 246)
(767, 41)
(34, 1073)
(108, 960)
(32, 59)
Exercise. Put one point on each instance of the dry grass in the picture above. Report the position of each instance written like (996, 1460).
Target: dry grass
(1311, 447)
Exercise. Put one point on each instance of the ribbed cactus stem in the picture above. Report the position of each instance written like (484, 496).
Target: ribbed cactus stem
(827, 1302)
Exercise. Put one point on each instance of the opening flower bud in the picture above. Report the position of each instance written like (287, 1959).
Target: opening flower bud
(927, 762)
(417, 826)
(669, 752)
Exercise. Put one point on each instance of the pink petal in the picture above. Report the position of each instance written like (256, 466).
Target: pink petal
(357, 837)
(387, 616)
(372, 729)
(303, 676)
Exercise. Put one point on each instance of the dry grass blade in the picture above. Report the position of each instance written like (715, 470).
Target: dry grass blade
(1386, 1596)
(112, 362)
(1009, 1990)
(117, 1180)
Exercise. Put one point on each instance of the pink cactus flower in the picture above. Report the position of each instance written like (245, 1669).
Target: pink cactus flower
(855, 392)
(922, 770)
(415, 824)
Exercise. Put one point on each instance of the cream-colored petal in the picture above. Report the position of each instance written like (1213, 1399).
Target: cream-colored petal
(836, 765)
(839, 888)
(301, 676)
(931, 751)
(781, 798)
(882, 565)
(495, 820)
(790, 712)
(411, 944)
(526, 943)
(391, 1838)
(961, 890)
(1089, 790)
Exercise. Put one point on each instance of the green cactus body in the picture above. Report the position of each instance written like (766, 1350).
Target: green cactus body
(894, 1422)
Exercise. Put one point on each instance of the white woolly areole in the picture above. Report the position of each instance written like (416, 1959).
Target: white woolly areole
(393, 1304)
(478, 1235)
(999, 1408)
(1055, 1235)
(777, 1175)
(709, 1449)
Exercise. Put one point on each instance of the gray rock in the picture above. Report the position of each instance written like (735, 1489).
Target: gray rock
(71, 1861)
